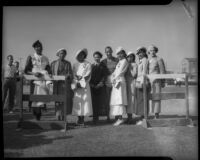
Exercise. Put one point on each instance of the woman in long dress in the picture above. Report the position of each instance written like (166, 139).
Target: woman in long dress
(155, 66)
(62, 67)
(38, 65)
(98, 90)
(131, 76)
(82, 102)
(142, 70)
(118, 99)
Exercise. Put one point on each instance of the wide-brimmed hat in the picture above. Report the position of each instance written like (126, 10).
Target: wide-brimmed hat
(37, 43)
(62, 49)
(99, 53)
(119, 49)
(130, 53)
(153, 46)
(141, 49)
(85, 51)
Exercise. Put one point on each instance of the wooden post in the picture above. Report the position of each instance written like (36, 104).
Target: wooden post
(186, 96)
(65, 104)
(19, 125)
(145, 97)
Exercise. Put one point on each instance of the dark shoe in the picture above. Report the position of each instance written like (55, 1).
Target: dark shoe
(38, 117)
(156, 116)
(128, 121)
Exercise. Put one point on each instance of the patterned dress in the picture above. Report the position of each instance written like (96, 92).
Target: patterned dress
(64, 68)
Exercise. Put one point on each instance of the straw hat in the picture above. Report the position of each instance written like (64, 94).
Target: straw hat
(62, 49)
(85, 51)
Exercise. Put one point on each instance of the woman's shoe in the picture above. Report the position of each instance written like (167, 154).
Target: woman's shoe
(118, 122)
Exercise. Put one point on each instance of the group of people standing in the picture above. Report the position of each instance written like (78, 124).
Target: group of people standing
(108, 87)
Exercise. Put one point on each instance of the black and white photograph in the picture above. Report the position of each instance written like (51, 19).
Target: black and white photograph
(100, 80)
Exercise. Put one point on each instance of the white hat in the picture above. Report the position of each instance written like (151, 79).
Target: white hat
(119, 49)
(80, 51)
(61, 49)
(129, 53)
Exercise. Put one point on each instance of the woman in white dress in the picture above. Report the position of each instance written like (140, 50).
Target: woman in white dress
(38, 65)
(118, 99)
(82, 102)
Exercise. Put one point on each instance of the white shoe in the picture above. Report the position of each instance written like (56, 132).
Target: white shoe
(11, 112)
(118, 122)
(139, 123)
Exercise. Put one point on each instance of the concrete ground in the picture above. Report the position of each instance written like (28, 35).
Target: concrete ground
(103, 139)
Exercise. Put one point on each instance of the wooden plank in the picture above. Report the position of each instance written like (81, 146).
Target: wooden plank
(186, 97)
(165, 76)
(165, 96)
(167, 122)
(44, 98)
(145, 97)
(31, 77)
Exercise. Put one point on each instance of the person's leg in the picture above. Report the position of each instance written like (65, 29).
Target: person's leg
(108, 94)
(37, 112)
(157, 104)
(12, 89)
(5, 92)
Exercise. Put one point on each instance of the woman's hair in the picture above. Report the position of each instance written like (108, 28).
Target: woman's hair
(9, 56)
(133, 55)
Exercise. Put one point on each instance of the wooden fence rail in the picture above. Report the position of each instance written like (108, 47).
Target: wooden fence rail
(44, 98)
(165, 96)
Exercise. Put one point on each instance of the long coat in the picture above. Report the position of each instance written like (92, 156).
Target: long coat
(119, 92)
(142, 70)
(156, 66)
(131, 76)
(82, 101)
(64, 68)
(98, 90)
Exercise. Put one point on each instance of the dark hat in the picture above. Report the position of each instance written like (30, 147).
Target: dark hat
(141, 49)
(37, 43)
(99, 53)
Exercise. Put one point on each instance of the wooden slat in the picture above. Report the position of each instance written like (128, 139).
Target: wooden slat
(165, 96)
(31, 77)
(44, 98)
(152, 77)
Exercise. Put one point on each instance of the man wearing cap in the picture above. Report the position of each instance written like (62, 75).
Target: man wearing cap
(131, 76)
(97, 87)
(155, 66)
(118, 99)
(61, 67)
(38, 65)
(110, 62)
(82, 102)
(9, 83)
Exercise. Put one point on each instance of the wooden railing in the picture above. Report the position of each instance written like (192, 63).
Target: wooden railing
(165, 96)
(44, 98)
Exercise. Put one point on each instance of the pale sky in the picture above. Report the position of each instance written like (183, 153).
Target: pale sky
(95, 27)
